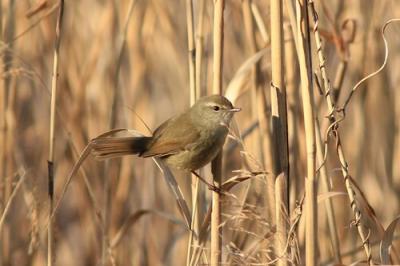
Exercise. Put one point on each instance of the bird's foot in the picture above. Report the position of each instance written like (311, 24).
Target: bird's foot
(210, 186)
(215, 189)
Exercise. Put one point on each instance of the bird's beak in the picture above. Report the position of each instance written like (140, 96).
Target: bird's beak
(235, 109)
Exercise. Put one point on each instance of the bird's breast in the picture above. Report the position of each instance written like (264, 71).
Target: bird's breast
(203, 150)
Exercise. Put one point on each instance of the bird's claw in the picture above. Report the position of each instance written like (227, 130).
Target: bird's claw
(215, 189)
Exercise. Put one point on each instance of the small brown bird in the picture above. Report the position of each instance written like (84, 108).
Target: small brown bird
(188, 141)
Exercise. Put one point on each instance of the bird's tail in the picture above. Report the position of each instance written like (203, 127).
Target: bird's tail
(111, 147)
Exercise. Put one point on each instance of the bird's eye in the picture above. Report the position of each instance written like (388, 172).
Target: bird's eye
(216, 108)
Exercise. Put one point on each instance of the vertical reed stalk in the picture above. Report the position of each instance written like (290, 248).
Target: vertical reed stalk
(304, 47)
(260, 23)
(191, 50)
(51, 162)
(3, 199)
(193, 97)
(8, 125)
(2, 119)
(293, 98)
(218, 44)
(344, 166)
(199, 47)
(328, 203)
(216, 232)
(320, 152)
(280, 150)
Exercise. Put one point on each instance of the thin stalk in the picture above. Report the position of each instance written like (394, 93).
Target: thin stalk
(191, 50)
(304, 45)
(21, 173)
(344, 166)
(3, 94)
(320, 154)
(50, 162)
(199, 47)
(8, 126)
(193, 97)
(339, 77)
(281, 215)
(280, 151)
(194, 225)
(216, 237)
(218, 42)
(3, 198)
(328, 203)
(260, 23)
(218, 38)
(293, 98)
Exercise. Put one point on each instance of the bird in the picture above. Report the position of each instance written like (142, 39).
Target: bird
(187, 141)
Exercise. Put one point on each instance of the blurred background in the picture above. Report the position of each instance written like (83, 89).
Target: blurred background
(109, 79)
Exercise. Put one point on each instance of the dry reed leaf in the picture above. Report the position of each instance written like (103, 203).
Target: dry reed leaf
(386, 243)
(235, 85)
(233, 181)
(324, 196)
(171, 181)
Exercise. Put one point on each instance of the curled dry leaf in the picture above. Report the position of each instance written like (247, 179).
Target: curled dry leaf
(171, 181)
(387, 240)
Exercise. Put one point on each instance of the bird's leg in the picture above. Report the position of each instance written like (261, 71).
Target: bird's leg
(210, 186)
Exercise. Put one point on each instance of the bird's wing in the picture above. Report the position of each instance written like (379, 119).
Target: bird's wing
(172, 136)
